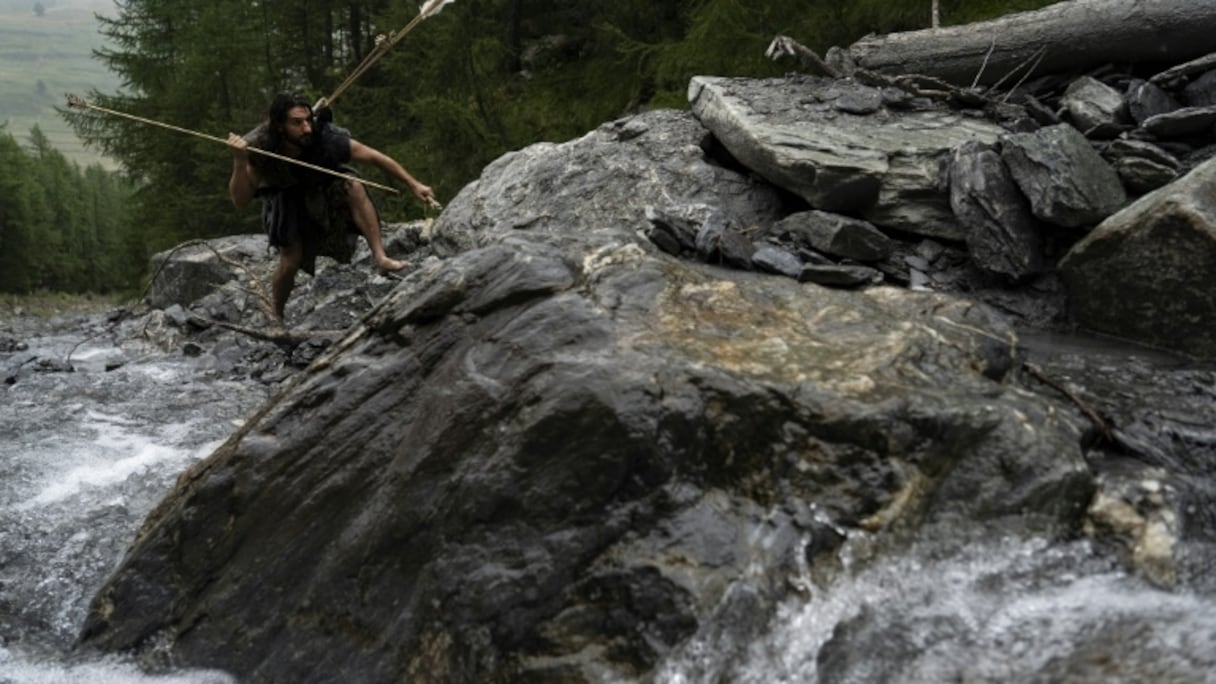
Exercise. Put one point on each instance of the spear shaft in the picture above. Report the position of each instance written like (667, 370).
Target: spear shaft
(428, 9)
(74, 101)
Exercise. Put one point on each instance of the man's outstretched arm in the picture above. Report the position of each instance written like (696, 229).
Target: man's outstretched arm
(363, 153)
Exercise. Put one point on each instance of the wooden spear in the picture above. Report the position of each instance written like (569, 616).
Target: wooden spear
(75, 101)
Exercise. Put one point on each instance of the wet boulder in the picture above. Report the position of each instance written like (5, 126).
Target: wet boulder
(1201, 91)
(679, 190)
(1184, 123)
(1145, 273)
(1145, 99)
(1142, 166)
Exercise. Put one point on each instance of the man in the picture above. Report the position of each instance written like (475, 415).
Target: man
(308, 213)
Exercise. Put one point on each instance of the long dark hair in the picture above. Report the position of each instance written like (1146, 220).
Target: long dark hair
(277, 116)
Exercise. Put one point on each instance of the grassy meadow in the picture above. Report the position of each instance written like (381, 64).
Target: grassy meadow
(44, 57)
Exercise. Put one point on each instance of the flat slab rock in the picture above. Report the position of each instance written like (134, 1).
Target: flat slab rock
(809, 136)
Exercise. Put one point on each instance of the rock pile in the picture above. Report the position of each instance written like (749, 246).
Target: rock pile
(1001, 195)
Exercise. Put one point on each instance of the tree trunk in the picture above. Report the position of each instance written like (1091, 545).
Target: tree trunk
(1075, 34)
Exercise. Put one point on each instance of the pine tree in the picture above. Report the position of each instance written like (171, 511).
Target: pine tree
(16, 234)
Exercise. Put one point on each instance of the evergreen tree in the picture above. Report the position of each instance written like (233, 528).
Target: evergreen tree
(16, 232)
(61, 229)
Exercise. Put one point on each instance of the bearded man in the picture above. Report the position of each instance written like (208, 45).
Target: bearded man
(307, 213)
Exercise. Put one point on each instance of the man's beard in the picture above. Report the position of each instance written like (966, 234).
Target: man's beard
(302, 141)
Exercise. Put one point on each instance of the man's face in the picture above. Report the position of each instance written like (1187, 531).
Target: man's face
(297, 129)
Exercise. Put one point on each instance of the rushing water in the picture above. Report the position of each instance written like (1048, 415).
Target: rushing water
(86, 454)
(989, 610)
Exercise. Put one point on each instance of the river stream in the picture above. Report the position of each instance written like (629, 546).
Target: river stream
(86, 454)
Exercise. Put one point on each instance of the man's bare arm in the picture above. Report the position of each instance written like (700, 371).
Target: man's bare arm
(363, 153)
(244, 180)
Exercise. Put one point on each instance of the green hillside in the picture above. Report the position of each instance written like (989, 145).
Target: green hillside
(44, 57)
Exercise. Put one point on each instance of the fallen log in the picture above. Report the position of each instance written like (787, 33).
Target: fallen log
(1075, 34)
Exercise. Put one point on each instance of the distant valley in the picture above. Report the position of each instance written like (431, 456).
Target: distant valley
(45, 55)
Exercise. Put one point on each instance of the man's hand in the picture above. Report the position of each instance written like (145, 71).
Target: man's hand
(426, 194)
(363, 153)
(238, 145)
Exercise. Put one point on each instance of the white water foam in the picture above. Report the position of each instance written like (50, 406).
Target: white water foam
(16, 668)
(110, 457)
(1007, 611)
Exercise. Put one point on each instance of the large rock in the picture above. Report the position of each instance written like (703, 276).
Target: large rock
(1067, 181)
(561, 452)
(1146, 273)
(1091, 103)
(809, 136)
(1003, 237)
(192, 271)
(563, 185)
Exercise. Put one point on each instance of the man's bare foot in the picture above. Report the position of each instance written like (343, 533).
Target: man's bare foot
(387, 265)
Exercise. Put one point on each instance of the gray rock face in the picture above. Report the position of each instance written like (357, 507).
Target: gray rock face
(1092, 103)
(1201, 92)
(775, 260)
(195, 271)
(1067, 182)
(558, 453)
(1141, 175)
(835, 235)
(1146, 273)
(1145, 100)
(884, 166)
(1182, 123)
(661, 164)
(1003, 237)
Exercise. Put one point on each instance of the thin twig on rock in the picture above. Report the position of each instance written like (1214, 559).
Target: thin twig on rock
(1085, 408)
(279, 335)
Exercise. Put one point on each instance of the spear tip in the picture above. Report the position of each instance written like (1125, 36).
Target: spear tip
(432, 7)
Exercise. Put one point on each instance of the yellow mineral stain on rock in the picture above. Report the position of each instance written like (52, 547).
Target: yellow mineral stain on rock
(806, 338)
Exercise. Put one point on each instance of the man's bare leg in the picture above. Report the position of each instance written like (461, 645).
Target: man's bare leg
(364, 214)
(284, 279)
